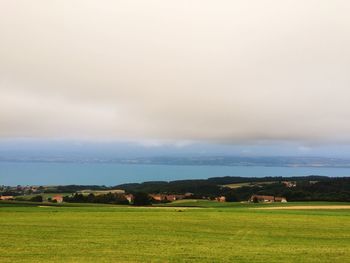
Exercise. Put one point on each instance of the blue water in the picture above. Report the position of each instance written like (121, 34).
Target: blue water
(113, 174)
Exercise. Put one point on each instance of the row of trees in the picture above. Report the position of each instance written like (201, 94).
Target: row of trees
(140, 199)
(109, 198)
(36, 198)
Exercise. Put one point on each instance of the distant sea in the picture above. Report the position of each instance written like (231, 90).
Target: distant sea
(27, 173)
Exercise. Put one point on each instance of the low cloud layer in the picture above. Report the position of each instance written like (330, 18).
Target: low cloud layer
(223, 71)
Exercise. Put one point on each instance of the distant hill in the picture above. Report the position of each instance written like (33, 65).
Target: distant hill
(306, 188)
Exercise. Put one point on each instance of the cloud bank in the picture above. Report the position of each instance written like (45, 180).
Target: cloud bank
(223, 71)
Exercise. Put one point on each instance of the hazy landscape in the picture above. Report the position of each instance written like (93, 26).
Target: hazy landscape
(175, 131)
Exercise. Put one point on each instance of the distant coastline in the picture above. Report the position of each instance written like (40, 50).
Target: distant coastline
(316, 162)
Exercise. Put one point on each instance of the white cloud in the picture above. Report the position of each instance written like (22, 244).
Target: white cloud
(175, 70)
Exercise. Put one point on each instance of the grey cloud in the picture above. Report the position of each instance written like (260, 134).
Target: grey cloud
(229, 71)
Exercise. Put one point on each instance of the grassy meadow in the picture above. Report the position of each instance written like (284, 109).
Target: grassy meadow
(195, 231)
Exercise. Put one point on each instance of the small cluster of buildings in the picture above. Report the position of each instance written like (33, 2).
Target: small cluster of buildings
(253, 198)
(174, 197)
(22, 189)
(266, 199)
(170, 197)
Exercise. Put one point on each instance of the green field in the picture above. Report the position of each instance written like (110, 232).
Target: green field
(238, 185)
(217, 232)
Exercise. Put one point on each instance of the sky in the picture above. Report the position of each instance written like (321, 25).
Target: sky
(250, 76)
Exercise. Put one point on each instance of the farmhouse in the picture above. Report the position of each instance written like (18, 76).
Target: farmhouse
(129, 197)
(220, 199)
(266, 199)
(157, 197)
(57, 198)
(6, 197)
(166, 197)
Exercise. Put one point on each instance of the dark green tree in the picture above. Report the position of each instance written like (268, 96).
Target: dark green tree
(141, 199)
(231, 197)
(37, 198)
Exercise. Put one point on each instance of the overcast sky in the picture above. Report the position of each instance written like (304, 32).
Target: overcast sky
(235, 72)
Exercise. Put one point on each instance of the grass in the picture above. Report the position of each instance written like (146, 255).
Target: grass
(215, 204)
(220, 232)
(101, 192)
(238, 185)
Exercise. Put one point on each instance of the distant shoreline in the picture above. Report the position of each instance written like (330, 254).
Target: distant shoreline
(289, 162)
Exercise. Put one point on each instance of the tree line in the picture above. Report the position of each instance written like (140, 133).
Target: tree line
(109, 198)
